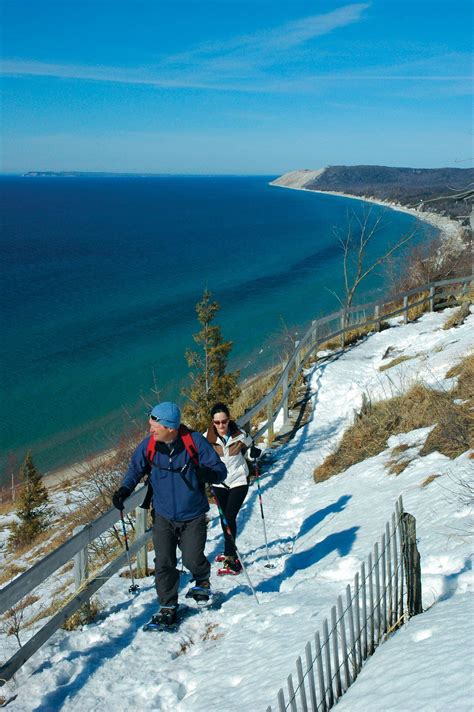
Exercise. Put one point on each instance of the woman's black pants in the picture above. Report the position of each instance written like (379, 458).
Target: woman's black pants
(230, 501)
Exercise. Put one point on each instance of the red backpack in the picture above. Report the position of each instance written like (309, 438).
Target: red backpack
(185, 435)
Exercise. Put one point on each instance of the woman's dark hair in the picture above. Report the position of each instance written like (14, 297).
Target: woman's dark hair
(220, 408)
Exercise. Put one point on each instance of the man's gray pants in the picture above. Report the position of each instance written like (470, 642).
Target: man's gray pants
(190, 536)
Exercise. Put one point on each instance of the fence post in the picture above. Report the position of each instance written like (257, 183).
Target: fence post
(365, 647)
(298, 355)
(140, 526)
(328, 682)
(270, 431)
(81, 563)
(405, 307)
(312, 685)
(343, 326)
(383, 557)
(299, 670)
(335, 651)
(411, 557)
(342, 632)
(284, 385)
(81, 572)
(377, 316)
(319, 663)
(432, 291)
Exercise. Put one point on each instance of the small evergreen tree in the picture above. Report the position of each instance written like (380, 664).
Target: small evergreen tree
(33, 510)
(209, 381)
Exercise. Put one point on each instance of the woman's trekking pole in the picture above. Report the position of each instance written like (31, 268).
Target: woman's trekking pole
(134, 588)
(229, 534)
(268, 565)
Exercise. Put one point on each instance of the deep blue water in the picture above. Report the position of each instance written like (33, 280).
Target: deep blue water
(99, 281)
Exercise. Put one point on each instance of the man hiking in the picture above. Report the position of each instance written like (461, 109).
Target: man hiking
(179, 463)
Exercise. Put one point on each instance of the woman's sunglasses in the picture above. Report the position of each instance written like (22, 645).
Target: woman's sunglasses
(221, 422)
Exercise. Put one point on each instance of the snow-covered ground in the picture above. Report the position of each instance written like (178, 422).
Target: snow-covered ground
(235, 659)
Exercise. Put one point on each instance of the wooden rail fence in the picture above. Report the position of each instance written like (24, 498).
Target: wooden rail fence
(330, 327)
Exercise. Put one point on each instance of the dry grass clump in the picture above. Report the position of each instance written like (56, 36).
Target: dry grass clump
(429, 480)
(396, 467)
(9, 571)
(351, 337)
(86, 614)
(395, 362)
(418, 408)
(454, 431)
(459, 316)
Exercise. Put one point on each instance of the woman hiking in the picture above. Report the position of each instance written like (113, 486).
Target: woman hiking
(230, 443)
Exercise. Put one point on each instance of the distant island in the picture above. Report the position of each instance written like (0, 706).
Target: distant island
(83, 174)
(447, 191)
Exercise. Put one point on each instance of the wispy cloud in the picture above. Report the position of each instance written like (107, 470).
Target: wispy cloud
(276, 60)
(237, 64)
(264, 44)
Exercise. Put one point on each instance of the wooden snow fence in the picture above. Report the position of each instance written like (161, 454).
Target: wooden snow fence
(384, 595)
(334, 326)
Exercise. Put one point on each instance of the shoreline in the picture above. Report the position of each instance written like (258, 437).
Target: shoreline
(449, 228)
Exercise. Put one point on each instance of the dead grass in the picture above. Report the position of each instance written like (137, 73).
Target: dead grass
(395, 362)
(396, 467)
(9, 571)
(398, 449)
(86, 614)
(351, 337)
(459, 316)
(429, 480)
(420, 407)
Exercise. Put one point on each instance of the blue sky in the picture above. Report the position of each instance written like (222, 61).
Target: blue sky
(254, 86)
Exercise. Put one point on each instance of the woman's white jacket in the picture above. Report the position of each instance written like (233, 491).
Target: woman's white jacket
(231, 453)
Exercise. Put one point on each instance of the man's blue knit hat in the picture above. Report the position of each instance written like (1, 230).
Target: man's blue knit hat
(167, 414)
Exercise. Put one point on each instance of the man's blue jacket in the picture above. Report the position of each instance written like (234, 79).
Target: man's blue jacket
(178, 494)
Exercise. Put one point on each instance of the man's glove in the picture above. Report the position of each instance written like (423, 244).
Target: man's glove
(255, 452)
(119, 497)
(205, 475)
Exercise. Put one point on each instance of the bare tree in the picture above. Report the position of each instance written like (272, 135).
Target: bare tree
(11, 623)
(356, 266)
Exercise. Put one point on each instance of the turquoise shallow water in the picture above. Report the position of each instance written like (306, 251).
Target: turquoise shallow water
(100, 278)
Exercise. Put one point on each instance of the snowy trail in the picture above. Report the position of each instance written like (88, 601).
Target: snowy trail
(236, 658)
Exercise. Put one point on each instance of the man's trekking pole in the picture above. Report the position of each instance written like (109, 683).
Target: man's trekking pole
(134, 588)
(229, 534)
(268, 565)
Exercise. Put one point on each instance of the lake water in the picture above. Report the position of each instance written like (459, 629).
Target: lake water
(100, 277)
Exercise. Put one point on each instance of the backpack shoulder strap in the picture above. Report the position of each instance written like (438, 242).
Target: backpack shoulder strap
(188, 442)
(150, 449)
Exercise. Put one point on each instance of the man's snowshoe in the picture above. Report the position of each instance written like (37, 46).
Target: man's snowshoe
(165, 620)
(201, 592)
(231, 567)
(219, 558)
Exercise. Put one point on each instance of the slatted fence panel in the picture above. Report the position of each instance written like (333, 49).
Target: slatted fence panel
(374, 606)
